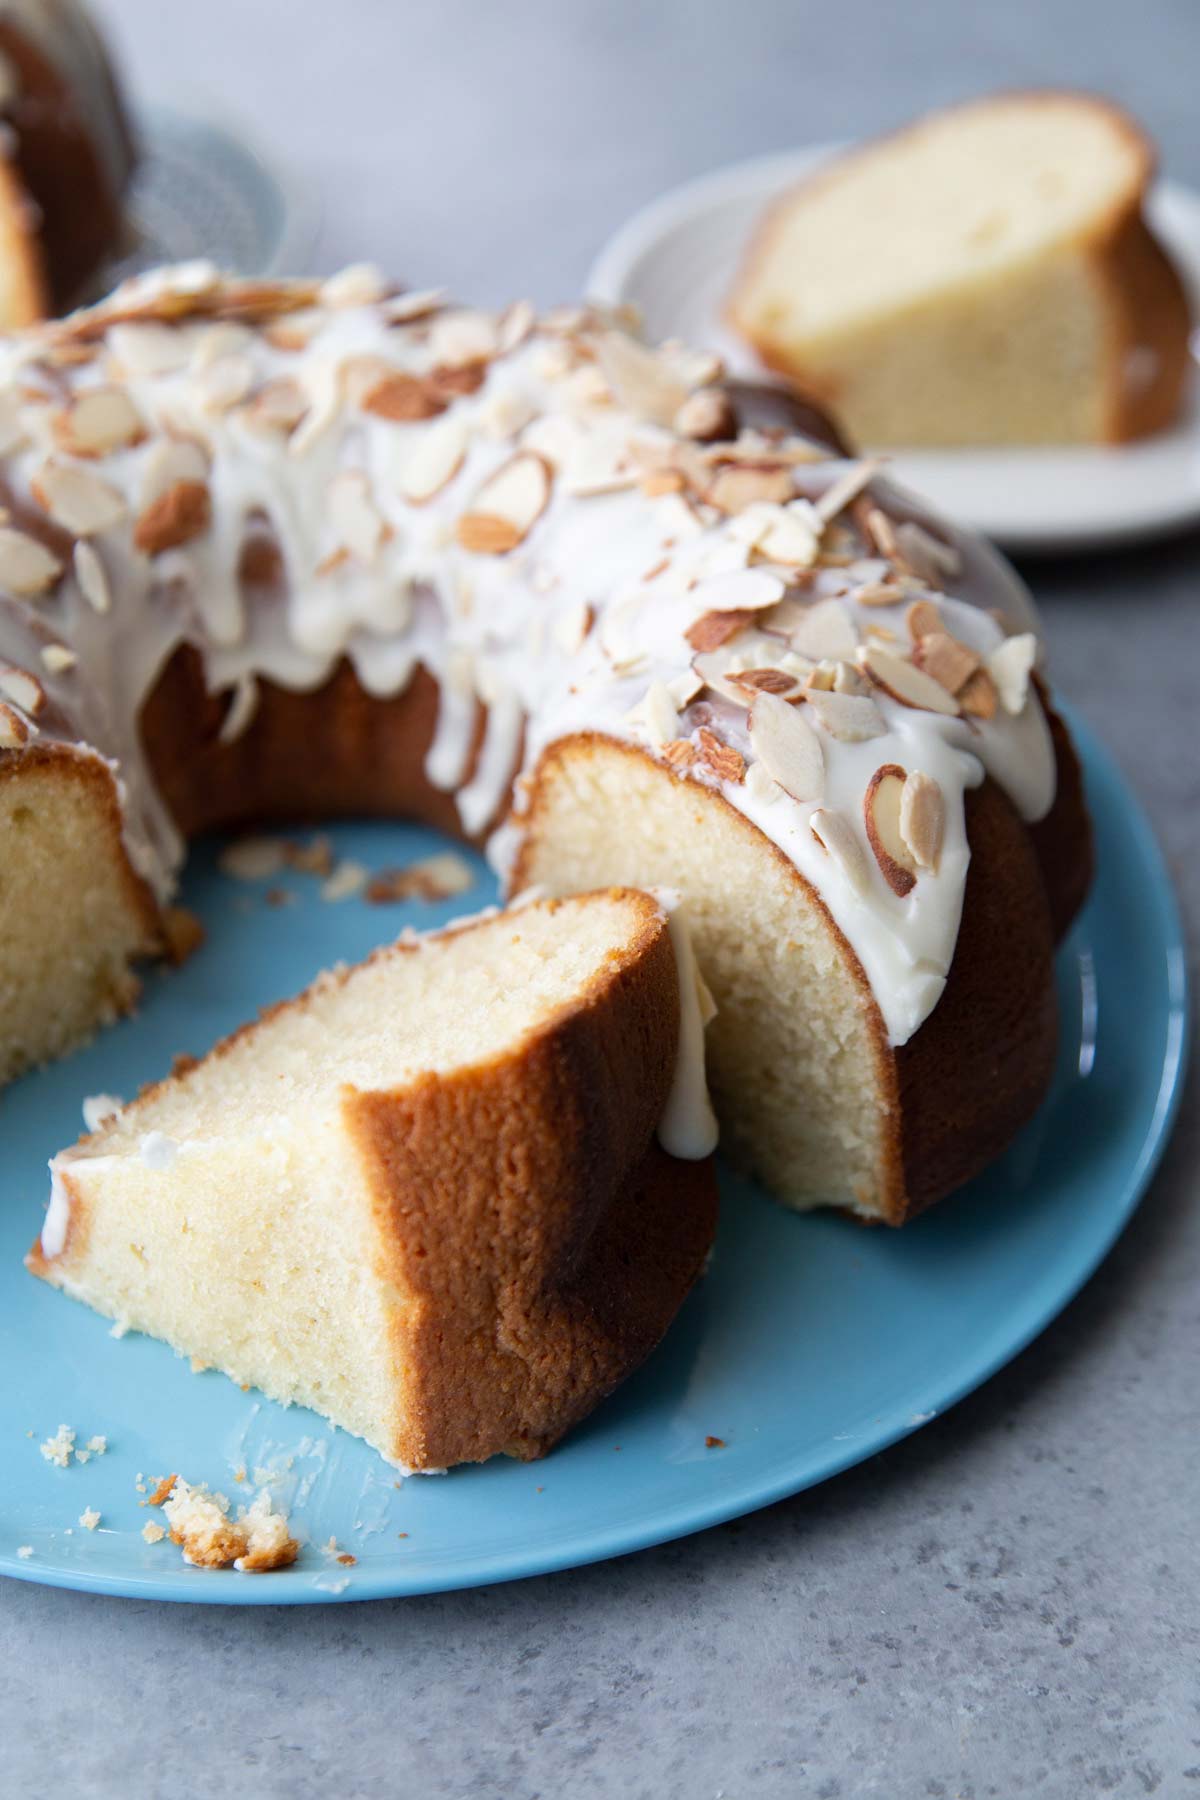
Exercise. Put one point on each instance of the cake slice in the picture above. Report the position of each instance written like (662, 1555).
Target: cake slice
(425, 1197)
(984, 277)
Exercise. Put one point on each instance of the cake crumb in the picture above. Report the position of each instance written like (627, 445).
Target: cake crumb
(97, 1445)
(256, 1541)
(252, 858)
(118, 1328)
(239, 1474)
(153, 1532)
(714, 1443)
(24, 1551)
(83, 1456)
(346, 880)
(433, 878)
(198, 1365)
(57, 1449)
(89, 1518)
(313, 858)
(162, 1490)
(183, 932)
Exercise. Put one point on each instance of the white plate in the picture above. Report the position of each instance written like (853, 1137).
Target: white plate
(676, 259)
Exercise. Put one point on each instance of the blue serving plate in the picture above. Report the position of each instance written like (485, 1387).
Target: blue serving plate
(811, 1345)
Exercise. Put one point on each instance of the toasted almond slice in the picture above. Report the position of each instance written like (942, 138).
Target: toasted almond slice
(27, 568)
(458, 338)
(881, 812)
(12, 426)
(849, 679)
(215, 342)
(224, 382)
(168, 461)
(450, 380)
(657, 482)
(788, 747)
(515, 496)
(746, 484)
(278, 405)
(761, 786)
(655, 716)
(852, 718)
(403, 398)
(922, 619)
(767, 681)
(486, 535)
(725, 762)
(904, 682)
(571, 626)
(846, 488)
(77, 499)
(922, 819)
(926, 556)
(22, 688)
(150, 349)
(706, 415)
(435, 459)
(879, 593)
(946, 659)
(359, 284)
(421, 303)
(977, 696)
(794, 537)
(14, 730)
(680, 753)
(98, 421)
(1010, 665)
(57, 659)
(641, 379)
(516, 323)
(825, 629)
(713, 629)
(740, 590)
(834, 832)
(712, 669)
(684, 688)
(92, 578)
(357, 521)
(876, 527)
(182, 513)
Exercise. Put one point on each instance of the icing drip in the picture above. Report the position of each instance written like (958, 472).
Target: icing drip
(688, 1128)
(503, 501)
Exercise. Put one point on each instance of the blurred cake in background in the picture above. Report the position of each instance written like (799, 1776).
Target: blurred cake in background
(986, 276)
(66, 153)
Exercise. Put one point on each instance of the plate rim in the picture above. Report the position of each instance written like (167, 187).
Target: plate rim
(750, 1493)
(608, 276)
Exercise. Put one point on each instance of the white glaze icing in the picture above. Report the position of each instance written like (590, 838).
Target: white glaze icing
(578, 627)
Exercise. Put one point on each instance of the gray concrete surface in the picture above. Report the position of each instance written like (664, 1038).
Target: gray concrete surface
(1004, 1605)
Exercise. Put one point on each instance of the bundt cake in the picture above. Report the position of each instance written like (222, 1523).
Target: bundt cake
(322, 547)
(425, 1197)
(66, 154)
(985, 277)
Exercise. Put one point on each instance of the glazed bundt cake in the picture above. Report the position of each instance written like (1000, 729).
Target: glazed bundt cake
(277, 550)
(425, 1197)
(66, 154)
(986, 276)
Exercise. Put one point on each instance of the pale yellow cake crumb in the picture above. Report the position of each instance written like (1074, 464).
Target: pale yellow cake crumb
(153, 1532)
(24, 1551)
(57, 1449)
(256, 1541)
(89, 1518)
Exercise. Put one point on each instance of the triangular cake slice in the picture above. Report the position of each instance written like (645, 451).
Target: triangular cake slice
(426, 1197)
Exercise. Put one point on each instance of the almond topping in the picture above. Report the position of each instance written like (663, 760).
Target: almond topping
(743, 484)
(451, 380)
(224, 382)
(834, 832)
(680, 753)
(977, 697)
(946, 659)
(904, 682)
(881, 811)
(277, 406)
(457, 338)
(924, 555)
(436, 459)
(403, 398)
(640, 378)
(922, 619)
(13, 730)
(713, 629)
(768, 681)
(825, 629)
(150, 349)
(657, 482)
(92, 579)
(923, 819)
(788, 747)
(655, 715)
(852, 718)
(846, 488)
(1010, 666)
(724, 761)
(357, 521)
(77, 499)
(27, 568)
(171, 460)
(98, 421)
(22, 688)
(57, 659)
(507, 505)
(706, 415)
(176, 517)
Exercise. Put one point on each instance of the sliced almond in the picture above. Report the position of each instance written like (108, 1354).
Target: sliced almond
(215, 343)
(848, 679)
(182, 513)
(741, 590)
(434, 461)
(640, 378)
(922, 819)
(793, 536)
(92, 579)
(680, 753)
(359, 284)
(57, 659)
(852, 718)
(706, 415)
(846, 488)
(834, 832)
(904, 682)
(278, 405)
(14, 731)
(516, 323)
(460, 338)
(571, 626)
(168, 461)
(77, 499)
(421, 303)
(977, 697)
(150, 349)
(224, 382)
(684, 688)
(403, 398)
(713, 629)
(788, 747)
(746, 484)
(508, 505)
(450, 380)
(923, 619)
(657, 482)
(768, 681)
(99, 421)
(881, 812)
(655, 716)
(946, 659)
(824, 629)
(357, 521)
(926, 556)
(1010, 665)
(22, 688)
(27, 568)
(724, 761)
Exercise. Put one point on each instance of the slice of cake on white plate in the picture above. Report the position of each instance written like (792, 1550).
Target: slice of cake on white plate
(426, 1197)
(986, 276)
